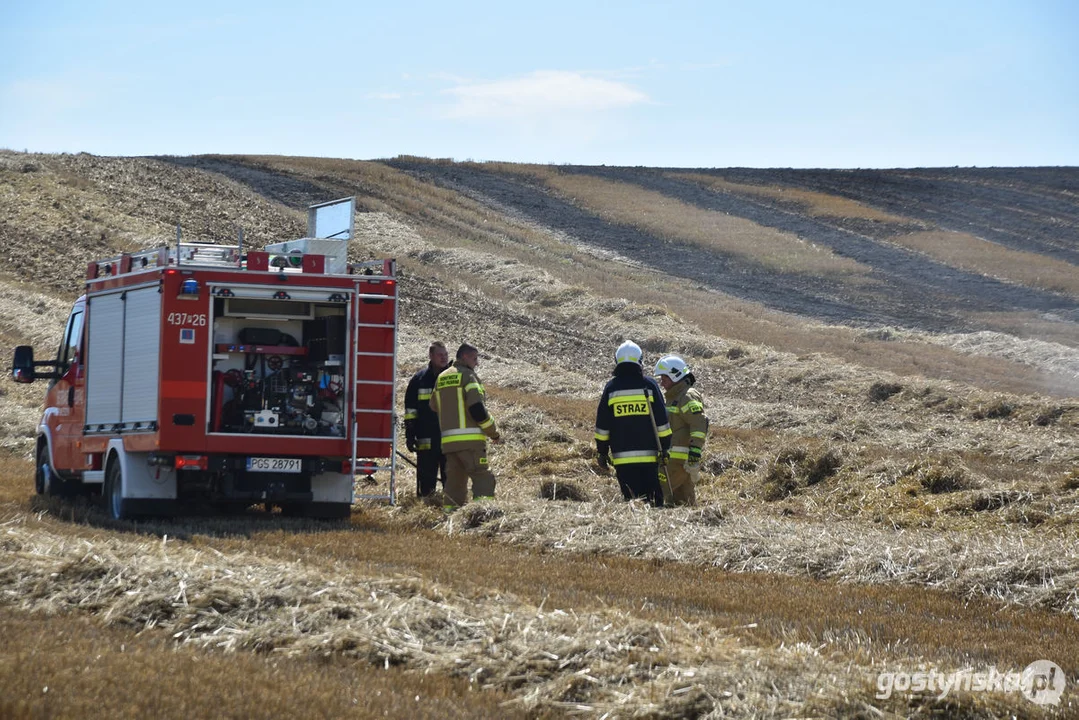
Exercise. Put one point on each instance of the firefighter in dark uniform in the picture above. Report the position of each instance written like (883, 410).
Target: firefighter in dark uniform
(631, 425)
(466, 427)
(421, 423)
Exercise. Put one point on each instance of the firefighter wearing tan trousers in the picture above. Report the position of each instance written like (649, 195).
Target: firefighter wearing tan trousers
(689, 427)
(466, 426)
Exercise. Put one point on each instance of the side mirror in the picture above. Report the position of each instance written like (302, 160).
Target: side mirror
(23, 365)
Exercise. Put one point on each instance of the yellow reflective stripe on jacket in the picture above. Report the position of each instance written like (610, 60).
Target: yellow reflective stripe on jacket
(626, 396)
(679, 452)
(664, 430)
(602, 434)
(698, 434)
(458, 432)
(411, 414)
(693, 406)
(487, 423)
(425, 395)
(448, 439)
(460, 408)
(474, 386)
(672, 409)
(633, 456)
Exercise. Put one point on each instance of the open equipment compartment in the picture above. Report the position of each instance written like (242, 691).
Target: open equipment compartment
(278, 366)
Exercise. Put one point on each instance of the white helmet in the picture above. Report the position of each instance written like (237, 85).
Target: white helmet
(628, 351)
(673, 367)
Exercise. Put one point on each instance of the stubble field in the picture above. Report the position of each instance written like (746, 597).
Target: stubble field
(890, 479)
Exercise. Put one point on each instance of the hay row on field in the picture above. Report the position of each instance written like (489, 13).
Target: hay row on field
(1050, 356)
(607, 662)
(1030, 569)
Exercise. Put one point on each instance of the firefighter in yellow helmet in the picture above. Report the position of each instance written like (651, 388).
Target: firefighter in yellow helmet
(465, 426)
(689, 425)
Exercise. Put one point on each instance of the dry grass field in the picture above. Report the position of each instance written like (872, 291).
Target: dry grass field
(889, 496)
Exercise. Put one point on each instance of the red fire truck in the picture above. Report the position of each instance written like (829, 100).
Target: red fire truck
(201, 373)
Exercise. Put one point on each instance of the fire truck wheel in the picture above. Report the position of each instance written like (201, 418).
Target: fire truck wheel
(117, 507)
(47, 482)
(40, 480)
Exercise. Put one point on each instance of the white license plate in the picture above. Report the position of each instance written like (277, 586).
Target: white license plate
(266, 464)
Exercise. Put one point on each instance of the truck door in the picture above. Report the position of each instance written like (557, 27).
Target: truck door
(66, 398)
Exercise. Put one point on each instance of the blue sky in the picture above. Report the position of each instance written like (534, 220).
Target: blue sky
(688, 84)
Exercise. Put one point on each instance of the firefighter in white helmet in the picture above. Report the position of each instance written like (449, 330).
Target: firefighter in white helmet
(631, 425)
(689, 425)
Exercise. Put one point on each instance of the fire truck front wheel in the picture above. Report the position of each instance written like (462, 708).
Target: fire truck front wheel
(41, 479)
(117, 507)
(46, 481)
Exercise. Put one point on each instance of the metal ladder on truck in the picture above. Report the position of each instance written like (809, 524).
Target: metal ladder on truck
(374, 375)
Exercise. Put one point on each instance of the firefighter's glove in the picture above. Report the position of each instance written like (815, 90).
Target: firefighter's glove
(410, 443)
(602, 461)
(694, 456)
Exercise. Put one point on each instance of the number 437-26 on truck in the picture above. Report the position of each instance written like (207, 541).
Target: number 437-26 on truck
(202, 373)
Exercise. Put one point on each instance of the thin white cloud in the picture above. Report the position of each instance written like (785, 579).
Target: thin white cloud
(541, 93)
(384, 96)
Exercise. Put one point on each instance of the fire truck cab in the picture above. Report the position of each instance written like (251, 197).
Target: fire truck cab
(202, 373)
